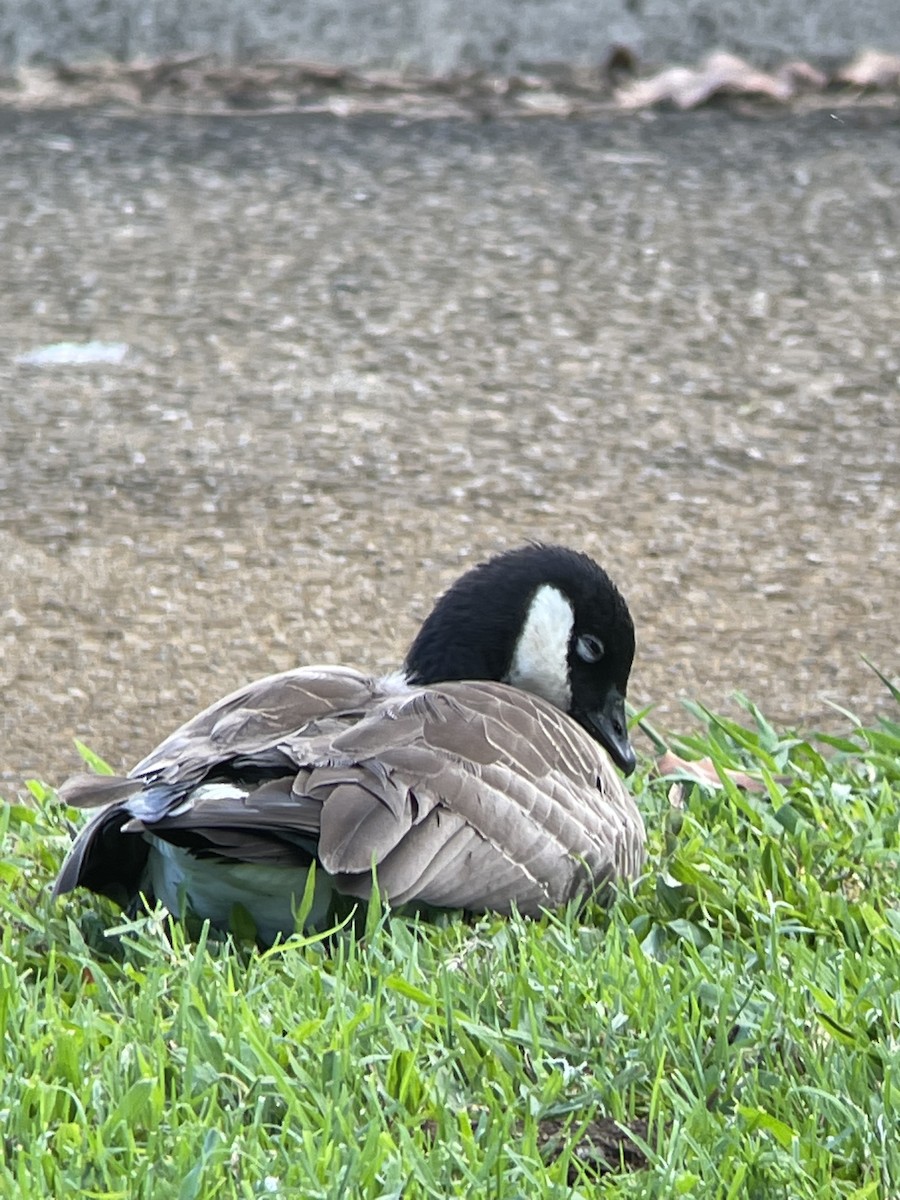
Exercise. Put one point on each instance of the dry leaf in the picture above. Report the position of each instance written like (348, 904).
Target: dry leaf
(687, 87)
(704, 771)
(669, 85)
(605, 1147)
(803, 75)
(872, 68)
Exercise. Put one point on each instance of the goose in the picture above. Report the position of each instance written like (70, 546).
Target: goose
(482, 776)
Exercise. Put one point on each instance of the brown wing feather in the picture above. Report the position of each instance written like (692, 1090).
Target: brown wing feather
(247, 724)
(88, 791)
(467, 795)
(472, 795)
(494, 798)
(293, 704)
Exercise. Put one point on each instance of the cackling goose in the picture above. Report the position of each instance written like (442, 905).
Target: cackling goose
(479, 777)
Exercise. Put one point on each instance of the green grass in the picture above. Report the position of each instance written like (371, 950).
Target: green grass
(739, 1012)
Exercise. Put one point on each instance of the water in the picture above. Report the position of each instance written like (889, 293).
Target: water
(362, 354)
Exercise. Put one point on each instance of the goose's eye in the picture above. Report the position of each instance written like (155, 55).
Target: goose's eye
(589, 648)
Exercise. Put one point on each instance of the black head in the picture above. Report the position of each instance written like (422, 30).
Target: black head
(543, 618)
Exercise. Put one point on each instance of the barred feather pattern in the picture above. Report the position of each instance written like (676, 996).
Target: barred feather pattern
(461, 795)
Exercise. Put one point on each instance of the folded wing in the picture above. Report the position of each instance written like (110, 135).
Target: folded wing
(471, 795)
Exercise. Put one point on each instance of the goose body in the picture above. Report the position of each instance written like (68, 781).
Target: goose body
(479, 777)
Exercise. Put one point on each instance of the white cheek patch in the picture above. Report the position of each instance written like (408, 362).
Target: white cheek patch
(540, 662)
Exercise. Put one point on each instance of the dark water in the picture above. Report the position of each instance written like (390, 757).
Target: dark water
(364, 353)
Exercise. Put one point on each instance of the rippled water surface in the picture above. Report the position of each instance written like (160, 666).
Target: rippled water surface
(362, 354)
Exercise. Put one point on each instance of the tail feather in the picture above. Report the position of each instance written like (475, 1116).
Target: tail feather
(90, 791)
(105, 859)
